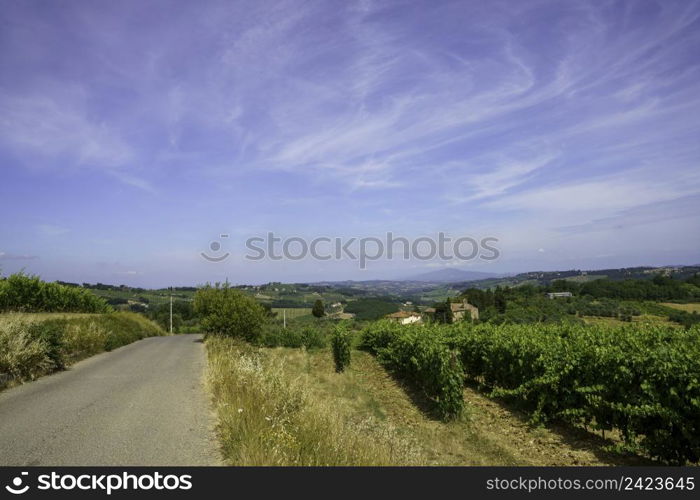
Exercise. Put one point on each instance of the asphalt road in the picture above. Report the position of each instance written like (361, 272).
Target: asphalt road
(142, 404)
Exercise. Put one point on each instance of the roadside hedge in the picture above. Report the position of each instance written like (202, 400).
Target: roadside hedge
(20, 292)
(30, 348)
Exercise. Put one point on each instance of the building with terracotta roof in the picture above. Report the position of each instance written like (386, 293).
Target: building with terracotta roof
(405, 317)
(460, 310)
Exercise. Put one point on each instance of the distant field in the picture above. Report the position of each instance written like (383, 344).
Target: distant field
(522, 283)
(586, 278)
(644, 318)
(439, 294)
(343, 315)
(691, 308)
(295, 312)
(151, 297)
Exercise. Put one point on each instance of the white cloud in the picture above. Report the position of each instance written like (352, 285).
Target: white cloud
(611, 193)
(129, 273)
(14, 256)
(41, 126)
(51, 230)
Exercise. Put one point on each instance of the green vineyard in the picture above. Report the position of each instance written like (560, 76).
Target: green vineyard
(641, 381)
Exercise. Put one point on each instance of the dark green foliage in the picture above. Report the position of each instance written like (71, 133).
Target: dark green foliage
(642, 381)
(371, 308)
(117, 301)
(483, 299)
(528, 304)
(659, 288)
(443, 312)
(602, 297)
(125, 328)
(684, 318)
(24, 293)
(318, 310)
(138, 308)
(50, 333)
(419, 354)
(295, 336)
(269, 313)
(226, 311)
(340, 343)
(183, 314)
(499, 300)
(379, 335)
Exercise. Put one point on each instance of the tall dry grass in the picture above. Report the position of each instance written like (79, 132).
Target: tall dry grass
(268, 418)
(32, 345)
(22, 356)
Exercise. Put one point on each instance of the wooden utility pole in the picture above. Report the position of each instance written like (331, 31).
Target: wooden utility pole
(284, 317)
(171, 310)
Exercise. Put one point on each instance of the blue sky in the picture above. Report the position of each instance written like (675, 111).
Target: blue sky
(132, 134)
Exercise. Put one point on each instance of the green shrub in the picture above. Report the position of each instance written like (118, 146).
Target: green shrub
(25, 293)
(341, 348)
(184, 319)
(294, 336)
(313, 337)
(379, 335)
(318, 310)
(226, 311)
(125, 328)
(51, 334)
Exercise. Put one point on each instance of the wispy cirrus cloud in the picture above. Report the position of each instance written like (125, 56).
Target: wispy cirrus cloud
(14, 256)
(674, 209)
(51, 230)
(47, 129)
(520, 117)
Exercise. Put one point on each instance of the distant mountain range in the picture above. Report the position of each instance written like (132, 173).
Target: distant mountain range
(446, 281)
(451, 276)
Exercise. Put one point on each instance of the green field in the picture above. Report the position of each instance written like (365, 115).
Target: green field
(292, 313)
(691, 308)
(150, 297)
(644, 318)
(585, 278)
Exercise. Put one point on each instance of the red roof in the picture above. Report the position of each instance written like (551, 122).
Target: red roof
(402, 314)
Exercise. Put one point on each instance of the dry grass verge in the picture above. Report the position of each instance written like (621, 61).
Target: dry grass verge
(32, 345)
(268, 416)
(288, 407)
